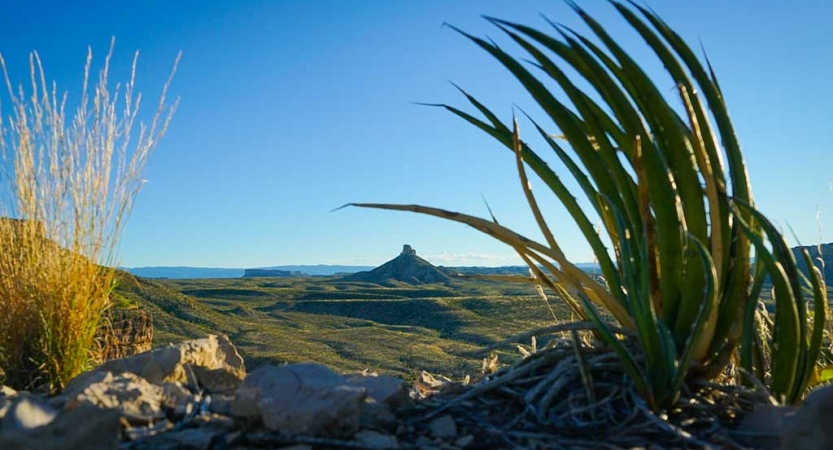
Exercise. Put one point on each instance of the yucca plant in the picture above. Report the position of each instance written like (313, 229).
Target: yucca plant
(69, 182)
(690, 253)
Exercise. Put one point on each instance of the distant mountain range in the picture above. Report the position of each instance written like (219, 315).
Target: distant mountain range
(506, 270)
(826, 255)
(218, 272)
(272, 273)
(177, 272)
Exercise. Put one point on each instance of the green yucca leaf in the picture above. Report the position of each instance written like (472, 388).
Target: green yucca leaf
(671, 140)
(708, 304)
(628, 360)
(706, 156)
(527, 187)
(807, 355)
(709, 86)
(818, 288)
(502, 134)
(681, 274)
(566, 120)
(734, 297)
(665, 200)
(642, 311)
(602, 162)
(786, 335)
(748, 346)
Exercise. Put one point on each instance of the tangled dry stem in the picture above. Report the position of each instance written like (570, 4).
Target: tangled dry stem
(574, 395)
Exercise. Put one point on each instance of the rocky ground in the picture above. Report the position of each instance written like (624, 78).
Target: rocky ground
(197, 395)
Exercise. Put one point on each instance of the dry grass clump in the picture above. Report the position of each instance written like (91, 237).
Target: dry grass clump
(68, 185)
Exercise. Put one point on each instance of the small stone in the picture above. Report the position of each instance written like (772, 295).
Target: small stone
(377, 417)
(193, 438)
(464, 441)
(175, 392)
(135, 433)
(427, 385)
(177, 399)
(423, 442)
(443, 427)
(376, 440)
(214, 421)
(219, 380)
(7, 396)
(383, 389)
(28, 412)
(221, 404)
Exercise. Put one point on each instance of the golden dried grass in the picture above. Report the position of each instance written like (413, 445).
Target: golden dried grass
(68, 185)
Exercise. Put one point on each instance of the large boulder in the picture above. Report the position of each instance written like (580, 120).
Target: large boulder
(301, 399)
(212, 363)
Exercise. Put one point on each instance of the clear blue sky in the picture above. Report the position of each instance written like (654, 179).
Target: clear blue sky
(292, 108)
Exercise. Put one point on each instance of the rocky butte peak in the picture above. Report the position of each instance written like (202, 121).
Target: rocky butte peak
(405, 268)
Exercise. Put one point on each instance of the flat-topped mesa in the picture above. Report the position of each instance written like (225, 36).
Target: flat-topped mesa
(261, 273)
(408, 250)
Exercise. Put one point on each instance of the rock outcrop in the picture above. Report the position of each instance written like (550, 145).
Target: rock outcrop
(405, 268)
(159, 400)
(125, 332)
(192, 395)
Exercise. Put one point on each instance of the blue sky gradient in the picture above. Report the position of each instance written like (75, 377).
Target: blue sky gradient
(292, 108)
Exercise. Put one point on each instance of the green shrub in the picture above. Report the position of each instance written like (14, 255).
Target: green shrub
(690, 252)
(69, 186)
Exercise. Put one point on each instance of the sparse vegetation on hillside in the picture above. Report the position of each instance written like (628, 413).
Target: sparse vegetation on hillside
(68, 186)
(398, 330)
